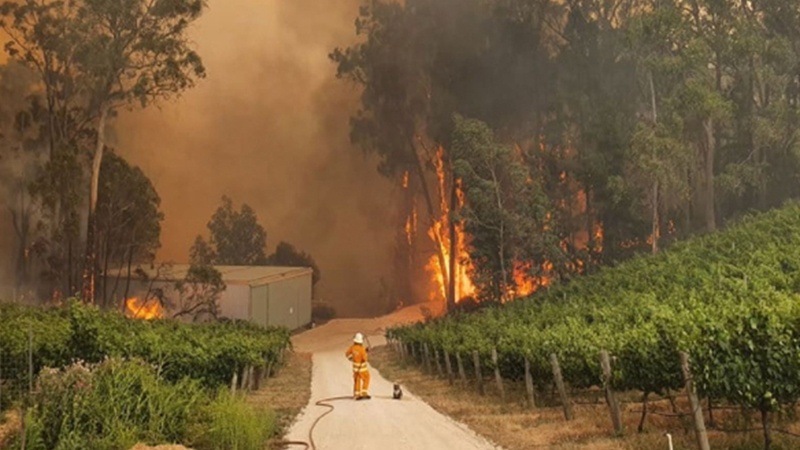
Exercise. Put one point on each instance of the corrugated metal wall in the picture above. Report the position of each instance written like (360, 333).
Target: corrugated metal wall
(290, 302)
(259, 302)
(234, 303)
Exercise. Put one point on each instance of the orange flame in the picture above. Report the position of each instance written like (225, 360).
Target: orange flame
(524, 283)
(147, 309)
(411, 225)
(464, 286)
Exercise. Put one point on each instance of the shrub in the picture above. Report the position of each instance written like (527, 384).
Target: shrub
(322, 312)
(110, 406)
(230, 423)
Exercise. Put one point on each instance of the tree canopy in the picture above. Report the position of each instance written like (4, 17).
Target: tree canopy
(236, 238)
(639, 122)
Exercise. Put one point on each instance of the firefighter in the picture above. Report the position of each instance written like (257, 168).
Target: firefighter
(357, 354)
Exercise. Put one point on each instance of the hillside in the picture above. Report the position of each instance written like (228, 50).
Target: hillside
(728, 299)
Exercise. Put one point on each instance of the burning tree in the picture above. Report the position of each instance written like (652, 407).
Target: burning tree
(416, 74)
(504, 213)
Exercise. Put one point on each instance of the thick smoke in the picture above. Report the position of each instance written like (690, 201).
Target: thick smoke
(269, 127)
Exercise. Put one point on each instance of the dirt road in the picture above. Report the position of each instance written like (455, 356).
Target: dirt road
(378, 424)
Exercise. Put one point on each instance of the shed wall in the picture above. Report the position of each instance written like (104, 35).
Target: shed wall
(259, 305)
(234, 303)
(290, 302)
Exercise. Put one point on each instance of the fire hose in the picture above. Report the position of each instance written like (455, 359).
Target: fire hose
(310, 445)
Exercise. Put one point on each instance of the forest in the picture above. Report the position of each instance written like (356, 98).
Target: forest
(547, 138)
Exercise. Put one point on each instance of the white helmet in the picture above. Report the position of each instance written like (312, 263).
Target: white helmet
(359, 338)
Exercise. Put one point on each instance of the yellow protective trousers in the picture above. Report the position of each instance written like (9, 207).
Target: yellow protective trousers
(360, 380)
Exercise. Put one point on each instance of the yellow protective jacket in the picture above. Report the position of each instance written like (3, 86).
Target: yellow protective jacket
(357, 353)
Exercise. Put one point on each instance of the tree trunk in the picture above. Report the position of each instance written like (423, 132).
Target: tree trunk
(653, 96)
(106, 258)
(21, 222)
(451, 281)
(70, 287)
(89, 272)
(431, 212)
(710, 148)
(655, 218)
(502, 239)
(128, 277)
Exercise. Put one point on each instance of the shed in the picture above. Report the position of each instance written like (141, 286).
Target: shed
(264, 295)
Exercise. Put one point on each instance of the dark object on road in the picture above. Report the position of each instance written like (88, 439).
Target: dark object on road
(397, 394)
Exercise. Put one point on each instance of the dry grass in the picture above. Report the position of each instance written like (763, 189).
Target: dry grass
(515, 426)
(9, 424)
(159, 447)
(288, 392)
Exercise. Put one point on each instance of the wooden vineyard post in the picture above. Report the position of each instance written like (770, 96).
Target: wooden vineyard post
(449, 367)
(694, 403)
(268, 374)
(476, 361)
(257, 374)
(438, 363)
(562, 391)
(611, 398)
(234, 380)
(497, 377)
(529, 383)
(427, 357)
(413, 353)
(461, 372)
(245, 386)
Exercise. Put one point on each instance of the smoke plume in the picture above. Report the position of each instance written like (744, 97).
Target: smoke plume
(269, 127)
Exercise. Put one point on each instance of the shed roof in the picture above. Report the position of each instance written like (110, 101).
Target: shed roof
(249, 275)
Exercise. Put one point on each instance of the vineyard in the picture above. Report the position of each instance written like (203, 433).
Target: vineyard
(728, 300)
(84, 375)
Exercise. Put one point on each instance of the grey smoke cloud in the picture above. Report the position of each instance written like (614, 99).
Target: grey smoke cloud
(269, 127)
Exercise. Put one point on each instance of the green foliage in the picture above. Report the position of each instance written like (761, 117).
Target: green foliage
(117, 403)
(504, 211)
(208, 353)
(236, 238)
(230, 423)
(729, 299)
(111, 405)
(128, 218)
(287, 255)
